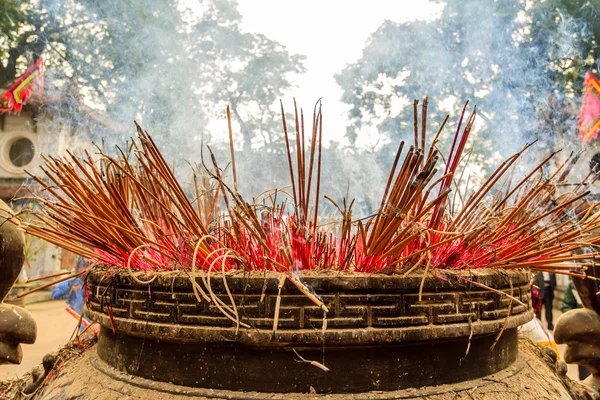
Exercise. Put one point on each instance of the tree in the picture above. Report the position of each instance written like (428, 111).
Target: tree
(507, 56)
(249, 72)
(576, 23)
(154, 61)
(13, 17)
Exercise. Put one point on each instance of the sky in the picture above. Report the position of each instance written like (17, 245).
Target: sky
(331, 34)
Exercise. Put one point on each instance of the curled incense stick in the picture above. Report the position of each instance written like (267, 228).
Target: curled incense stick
(224, 308)
(195, 286)
(306, 291)
(314, 363)
(131, 273)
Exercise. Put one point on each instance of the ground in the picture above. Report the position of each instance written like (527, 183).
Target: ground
(55, 327)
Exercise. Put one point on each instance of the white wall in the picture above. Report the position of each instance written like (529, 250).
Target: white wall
(47, 138)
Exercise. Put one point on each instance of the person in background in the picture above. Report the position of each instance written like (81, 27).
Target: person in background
(536, 300)
(571, 301)
(535, 331)
(72, 289)
(547, 283)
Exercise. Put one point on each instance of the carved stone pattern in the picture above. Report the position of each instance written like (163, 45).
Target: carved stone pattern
(347, 311)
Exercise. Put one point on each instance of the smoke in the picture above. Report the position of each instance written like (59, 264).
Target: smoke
(174, 66)
(510, 58)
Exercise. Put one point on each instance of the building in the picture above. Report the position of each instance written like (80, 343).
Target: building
(42, 127)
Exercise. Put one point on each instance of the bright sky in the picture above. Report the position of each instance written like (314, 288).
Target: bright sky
(331, 34)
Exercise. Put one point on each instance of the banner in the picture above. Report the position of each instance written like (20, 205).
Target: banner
(16, 96)
(589, 116)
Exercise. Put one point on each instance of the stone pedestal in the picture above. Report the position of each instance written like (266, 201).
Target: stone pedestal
(16, 324)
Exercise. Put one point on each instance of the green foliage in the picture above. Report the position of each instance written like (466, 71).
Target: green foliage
(509, 57)
(567, 68)
(248, 72)
(169, 67)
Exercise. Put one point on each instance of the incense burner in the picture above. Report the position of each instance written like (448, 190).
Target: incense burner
(380, 332)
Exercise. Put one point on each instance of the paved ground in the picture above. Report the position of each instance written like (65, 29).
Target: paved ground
(55, 327)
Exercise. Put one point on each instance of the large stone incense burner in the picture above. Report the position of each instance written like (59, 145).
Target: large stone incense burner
(436, 334)
(377, 335)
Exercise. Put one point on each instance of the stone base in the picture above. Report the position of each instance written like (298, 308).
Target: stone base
(534, 375)
(272, 368)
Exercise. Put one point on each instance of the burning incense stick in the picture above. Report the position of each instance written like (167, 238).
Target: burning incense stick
(130, 211)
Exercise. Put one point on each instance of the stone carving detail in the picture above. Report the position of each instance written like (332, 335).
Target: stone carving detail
(579, 329)
(349, 310)
(16, 324)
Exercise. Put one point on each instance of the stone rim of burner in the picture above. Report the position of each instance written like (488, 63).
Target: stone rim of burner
(375, 322)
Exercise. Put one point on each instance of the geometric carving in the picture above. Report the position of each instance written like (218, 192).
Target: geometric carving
(371, 319)
(379, 302)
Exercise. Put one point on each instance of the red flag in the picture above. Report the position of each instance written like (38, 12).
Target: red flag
(16, 96)
(589, 116)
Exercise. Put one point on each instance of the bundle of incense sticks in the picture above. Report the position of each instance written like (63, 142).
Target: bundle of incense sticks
(129, 211)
